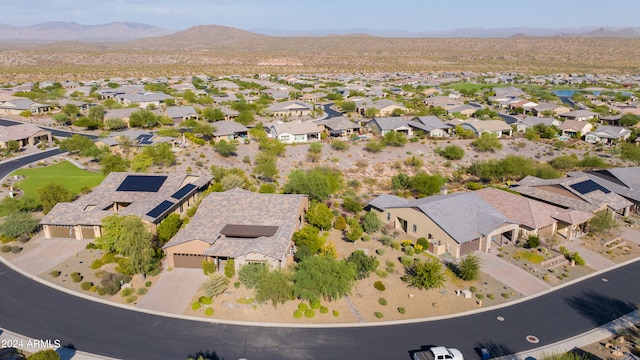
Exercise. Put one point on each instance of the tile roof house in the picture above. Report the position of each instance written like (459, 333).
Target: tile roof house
(383, 125)
(385, 107)
(457, 224)
(294, 132)
(229, 130)
(241, 225)
(608, 135)
(144, 100)
(622, 181)
(181, 113)
(18, 105)
(531, 121)
(291, 108)
(431, 125)
(578, 193)
(497, 127)
(545, 107)
(24, 134)
(339, 126)
(573, 128)
(580, 115)
(149, 197)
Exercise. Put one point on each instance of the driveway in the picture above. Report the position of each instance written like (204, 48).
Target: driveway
(630, 234)
(174, 290)
(591, 258)
(47, 253)
(511, 275)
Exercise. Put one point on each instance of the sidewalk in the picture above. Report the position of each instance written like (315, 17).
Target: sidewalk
(511, 275)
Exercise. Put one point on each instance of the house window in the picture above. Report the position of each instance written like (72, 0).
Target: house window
(284, 138)
(388, 216)
(415, 228)
(300, 138)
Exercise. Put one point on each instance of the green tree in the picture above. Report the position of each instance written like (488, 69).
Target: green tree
(340, 223)
(168, 227)
(592, 162)
(339, 145)
(62, 119)
(128, 236)
(426, 185)
(371, 222)
(113, 163)
(630, 152)
(487, 142)
(347, 106)
(323, 277)
(13, 145)
(272, 146)
(309, 237)
(143, 118)
(355, 233)
(395, 139)
(76, 144)
(469, 268)
(629, 119)
(363, 264)
(463, 132)
(251, 275)
(352, 205)
(48, 354)
(374, 146)
(275, 286)
(265, 166)
(602, 222)
(224, 148)
(19, 223)
(96, 113)
(141, 162)
(319, 215)
(246, 118)
(161, 154)
(425, 275)
(70, 110)
(371, 112)
(115, 124)
(318, 182)
(565, 162)
(213, 114)
(452, 152)
(51, 194)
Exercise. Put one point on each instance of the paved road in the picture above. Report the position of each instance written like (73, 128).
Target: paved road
(10, 165)
(55, 132)
(330, 112)
(38, 311)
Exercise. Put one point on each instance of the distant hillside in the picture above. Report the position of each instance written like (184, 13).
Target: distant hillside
(70, 31)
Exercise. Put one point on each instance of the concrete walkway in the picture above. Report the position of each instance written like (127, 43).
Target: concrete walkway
(630, 234)
(511, 275)
(47, 253)
(591, 258)
(173, 291)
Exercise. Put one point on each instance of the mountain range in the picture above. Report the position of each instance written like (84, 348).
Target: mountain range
(128, 31)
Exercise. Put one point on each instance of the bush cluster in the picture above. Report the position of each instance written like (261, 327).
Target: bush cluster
(76, 277)
(378, 285)
(86, 286)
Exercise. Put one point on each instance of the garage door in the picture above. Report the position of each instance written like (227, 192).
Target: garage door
(62, 232)
(88, 233)
(188, 261)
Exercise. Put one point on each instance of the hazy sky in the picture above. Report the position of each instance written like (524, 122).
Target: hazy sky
(409, 15)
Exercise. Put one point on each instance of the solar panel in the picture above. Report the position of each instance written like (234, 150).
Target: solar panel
(142, 183)
(183, 191)
(248, 231)
(158, 210)
(588, 186)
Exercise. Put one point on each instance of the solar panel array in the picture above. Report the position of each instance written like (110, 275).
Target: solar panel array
(588, 186)
(183, 191)
(144, 139)
(160, 209)
(142, 183)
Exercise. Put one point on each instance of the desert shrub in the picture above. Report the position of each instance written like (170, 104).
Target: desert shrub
(422, 241)
(251, 275)
(324, 309)
(131, 298)
(381, 273)
(409, 250)
(101, 291)
(505, 295)
(86, 285)
(208, 311)
(236, 284)
(76, 277)
(208, 267)
(16, 249)
(395, 245)
(336, 313)
(195, 306)
(126, 292)
(406, 260)
(205, 300)
(315, 304)
(386, 240)
(378, 285)
(473, 289)
(480, 296)
(215, 285)
(380, 251)
(309, 313)
(533, 242)
(55, 273)
(111, 282)
(302, 307)
(402, 310)
(297, 314)
(490, 296)
(96, 264)
(141, 291)
(378, 315)
(382, 301)
(147, 283)
(230, 268)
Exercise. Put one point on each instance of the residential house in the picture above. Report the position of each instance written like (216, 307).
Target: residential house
(575, 128)
(225, 98)
(122, 114)
(464, 109)
(545, 108)
(577, 193)
(291, 108)
(229, 130)
(294, 132)
(580, 115)
(131, 140)
(383, 125)
(339, 127)
(384, 107)
(181, 113)
(497, 127)
(531, 121)
(456, 224)
(24, 134)
(432, 126)
(608, 135)
(18, 105)
(313, 97)
(277, 95)
(150, 197)
(82, 106)
(144, 100)
(622, 181)
(229, 113)
(248, 227)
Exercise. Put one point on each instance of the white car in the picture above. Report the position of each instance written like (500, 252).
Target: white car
(439, 353)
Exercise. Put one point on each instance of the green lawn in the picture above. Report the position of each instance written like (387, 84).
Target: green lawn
(528, 256)
(63, 173)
